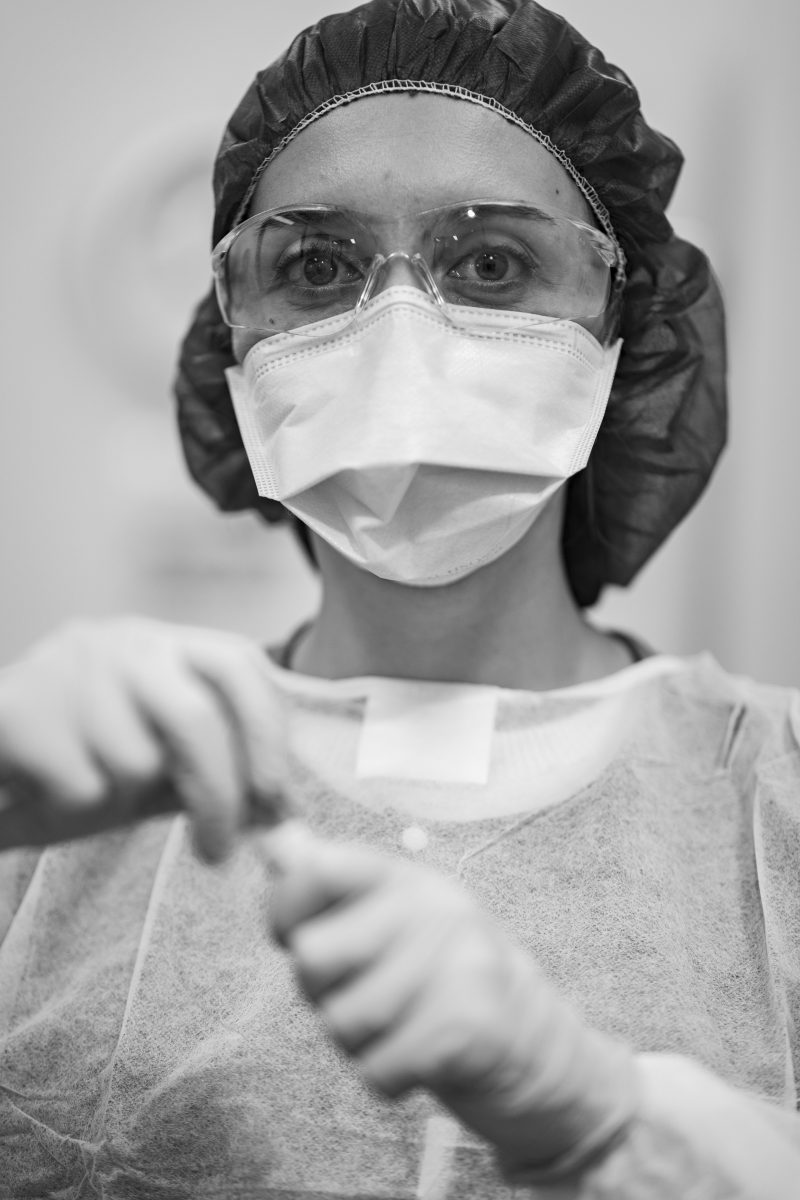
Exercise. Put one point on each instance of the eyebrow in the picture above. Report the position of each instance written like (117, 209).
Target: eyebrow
(511, 208)
(499, 208)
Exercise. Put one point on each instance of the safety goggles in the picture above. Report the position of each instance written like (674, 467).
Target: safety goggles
(290, 268)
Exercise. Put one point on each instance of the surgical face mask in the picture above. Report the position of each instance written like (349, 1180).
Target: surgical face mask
(418, 447)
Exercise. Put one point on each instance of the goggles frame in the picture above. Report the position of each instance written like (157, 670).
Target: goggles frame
(607, 248)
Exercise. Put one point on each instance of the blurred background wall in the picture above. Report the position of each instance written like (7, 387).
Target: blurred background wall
(110, 117)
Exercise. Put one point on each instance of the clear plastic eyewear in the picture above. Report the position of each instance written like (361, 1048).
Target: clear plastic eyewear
(289, 268)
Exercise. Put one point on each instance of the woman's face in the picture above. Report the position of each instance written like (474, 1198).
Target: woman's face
(390, 156)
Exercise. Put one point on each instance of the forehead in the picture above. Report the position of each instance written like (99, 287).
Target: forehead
(390, 154)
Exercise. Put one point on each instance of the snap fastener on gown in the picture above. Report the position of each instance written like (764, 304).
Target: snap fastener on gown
(414, 838)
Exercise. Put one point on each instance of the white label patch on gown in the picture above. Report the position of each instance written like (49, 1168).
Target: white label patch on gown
(432, 731)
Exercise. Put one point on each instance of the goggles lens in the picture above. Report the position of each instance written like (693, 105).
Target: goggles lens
(288, 268)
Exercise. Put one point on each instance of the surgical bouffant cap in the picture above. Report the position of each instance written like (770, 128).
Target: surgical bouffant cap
(666, 419)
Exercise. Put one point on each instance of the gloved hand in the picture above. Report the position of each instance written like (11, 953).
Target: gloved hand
(417, 983)
(106, 721)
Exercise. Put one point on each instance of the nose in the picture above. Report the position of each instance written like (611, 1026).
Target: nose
(400, 269)
(396, 271)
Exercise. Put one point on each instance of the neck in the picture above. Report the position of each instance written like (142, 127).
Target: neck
(512, 623)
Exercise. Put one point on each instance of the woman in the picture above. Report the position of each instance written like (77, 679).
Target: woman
(541, 910)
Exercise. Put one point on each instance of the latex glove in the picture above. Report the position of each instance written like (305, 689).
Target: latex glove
(106, 721)
(417, 983)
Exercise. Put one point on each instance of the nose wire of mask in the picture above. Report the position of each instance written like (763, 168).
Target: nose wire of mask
(419, 441)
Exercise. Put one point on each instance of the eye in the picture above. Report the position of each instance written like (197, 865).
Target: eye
(323, 268)
(489, 265)
(319, 264)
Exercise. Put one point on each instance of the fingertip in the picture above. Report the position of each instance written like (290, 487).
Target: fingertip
(213, 843)
(288, 845)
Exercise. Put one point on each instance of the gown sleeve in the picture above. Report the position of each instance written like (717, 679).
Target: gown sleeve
(694, 1135)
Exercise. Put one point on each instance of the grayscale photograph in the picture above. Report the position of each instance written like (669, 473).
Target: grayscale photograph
(399, 651)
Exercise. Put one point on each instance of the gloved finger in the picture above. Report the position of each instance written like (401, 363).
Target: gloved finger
(375, 1003)
(202, 760)
(67, 725)
(121, 740)
(438, 1032)
(401, 1058)
(59, 771)
(41, 744)
(313, 875)
(64, 797)
(236, 669)
(330, 948)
